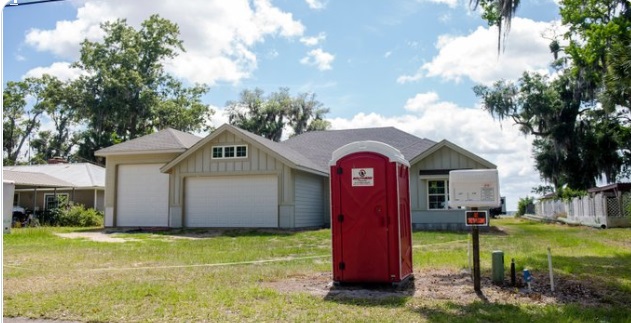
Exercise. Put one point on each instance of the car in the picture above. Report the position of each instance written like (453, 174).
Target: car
(19, 209)
(21, 215)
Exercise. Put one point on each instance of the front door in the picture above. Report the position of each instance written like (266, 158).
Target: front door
(363, 219)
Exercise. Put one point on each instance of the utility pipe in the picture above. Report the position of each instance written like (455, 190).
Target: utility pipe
(550, 268)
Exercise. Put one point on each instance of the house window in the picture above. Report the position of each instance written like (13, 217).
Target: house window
(51, 201)
(228, 152)
(242, 151)
(437, 194)
(237, 151)
(217, 152)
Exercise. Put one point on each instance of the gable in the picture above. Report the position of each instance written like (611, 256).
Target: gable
(201, 160)
(448, 156)
(264, 152)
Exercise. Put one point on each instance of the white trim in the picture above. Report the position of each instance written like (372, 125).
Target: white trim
(46, 195)
(433, 177)
(223, 151)
(446, 194)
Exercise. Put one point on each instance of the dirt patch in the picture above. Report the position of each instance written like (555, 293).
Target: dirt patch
(446, 285)
(95, 236)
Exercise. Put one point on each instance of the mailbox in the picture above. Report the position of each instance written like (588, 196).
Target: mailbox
(370, 214)
(474, 188)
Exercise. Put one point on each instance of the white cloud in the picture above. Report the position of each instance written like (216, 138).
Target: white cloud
(475, 56)
(450, 3)
(316, 4)
(387, 54)
(314, 40)
(219, 36)
(319, 58)
(61, 70)
(470, 128)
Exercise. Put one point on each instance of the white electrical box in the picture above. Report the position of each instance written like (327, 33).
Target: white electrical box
(474, 188)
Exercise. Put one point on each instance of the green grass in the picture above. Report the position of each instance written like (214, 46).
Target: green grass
(154, 277)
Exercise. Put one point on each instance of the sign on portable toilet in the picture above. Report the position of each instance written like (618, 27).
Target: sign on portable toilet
(8, 188)
(370, 214)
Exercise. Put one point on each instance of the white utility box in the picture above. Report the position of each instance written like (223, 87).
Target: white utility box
(474, 188)
(8, 187)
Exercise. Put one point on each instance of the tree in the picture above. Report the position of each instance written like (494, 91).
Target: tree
(584, 112)
(498, 13)
(125, 92)
(568, 132)
(308, 114)
(267, 116)
(20, 117)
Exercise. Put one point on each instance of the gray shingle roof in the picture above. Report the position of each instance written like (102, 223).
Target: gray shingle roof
(164, 140)
(79, 175)
(283, 150)
(317, 146)
(33, 179)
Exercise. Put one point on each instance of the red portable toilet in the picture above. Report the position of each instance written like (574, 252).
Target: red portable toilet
(370, 214)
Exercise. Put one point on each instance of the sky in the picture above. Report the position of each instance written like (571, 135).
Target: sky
(409, 64)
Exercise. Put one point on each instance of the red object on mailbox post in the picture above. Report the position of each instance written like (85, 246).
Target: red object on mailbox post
(370, 214)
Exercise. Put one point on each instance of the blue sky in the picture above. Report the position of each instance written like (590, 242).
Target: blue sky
(410, 64)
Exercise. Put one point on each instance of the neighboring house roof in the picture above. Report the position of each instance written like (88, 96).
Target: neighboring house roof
(79, 175)
(33, 179)
(279, 150)
(319, 145)
(164, 141)
(616, 187)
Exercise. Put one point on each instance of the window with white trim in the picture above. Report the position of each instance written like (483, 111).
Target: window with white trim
(232, 151)
(51, 200)
(437, 194)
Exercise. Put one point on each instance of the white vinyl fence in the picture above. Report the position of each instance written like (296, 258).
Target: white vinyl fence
(599, 211)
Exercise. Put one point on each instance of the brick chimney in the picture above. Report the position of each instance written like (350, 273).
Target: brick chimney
(57, 160)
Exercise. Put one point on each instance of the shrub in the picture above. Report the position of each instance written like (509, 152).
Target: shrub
(79, 216)
(525, 205)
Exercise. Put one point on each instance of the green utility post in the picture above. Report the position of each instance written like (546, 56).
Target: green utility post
(497, 265)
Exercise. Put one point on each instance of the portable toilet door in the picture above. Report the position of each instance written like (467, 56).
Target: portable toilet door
(371, 227)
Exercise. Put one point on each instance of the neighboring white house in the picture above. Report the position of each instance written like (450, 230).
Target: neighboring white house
(233, 178)
(37, 187)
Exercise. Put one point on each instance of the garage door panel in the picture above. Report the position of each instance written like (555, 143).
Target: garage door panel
(232, 201)
(142, 196)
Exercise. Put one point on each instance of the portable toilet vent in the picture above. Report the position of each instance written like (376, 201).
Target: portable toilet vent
(370, 214)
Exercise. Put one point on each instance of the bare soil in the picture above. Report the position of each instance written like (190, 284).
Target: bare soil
(448, 285)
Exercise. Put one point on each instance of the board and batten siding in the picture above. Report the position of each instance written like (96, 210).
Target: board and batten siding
(257, 162)
(446, 159)
(309, 201)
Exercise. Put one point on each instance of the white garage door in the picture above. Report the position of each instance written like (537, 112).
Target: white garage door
(142, 196)
(232, 201)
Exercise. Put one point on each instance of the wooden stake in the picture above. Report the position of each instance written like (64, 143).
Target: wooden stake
(476, 256)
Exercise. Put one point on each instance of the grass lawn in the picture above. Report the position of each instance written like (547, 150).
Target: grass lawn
(238, 275)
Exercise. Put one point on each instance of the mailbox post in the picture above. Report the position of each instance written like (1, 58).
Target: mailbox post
(474, 189)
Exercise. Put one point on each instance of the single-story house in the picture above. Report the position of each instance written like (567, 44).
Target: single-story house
(233, 178)
(37, 187)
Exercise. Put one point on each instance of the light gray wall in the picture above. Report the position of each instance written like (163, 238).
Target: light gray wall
(258, 162)
(444, 158)
(309, 200)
